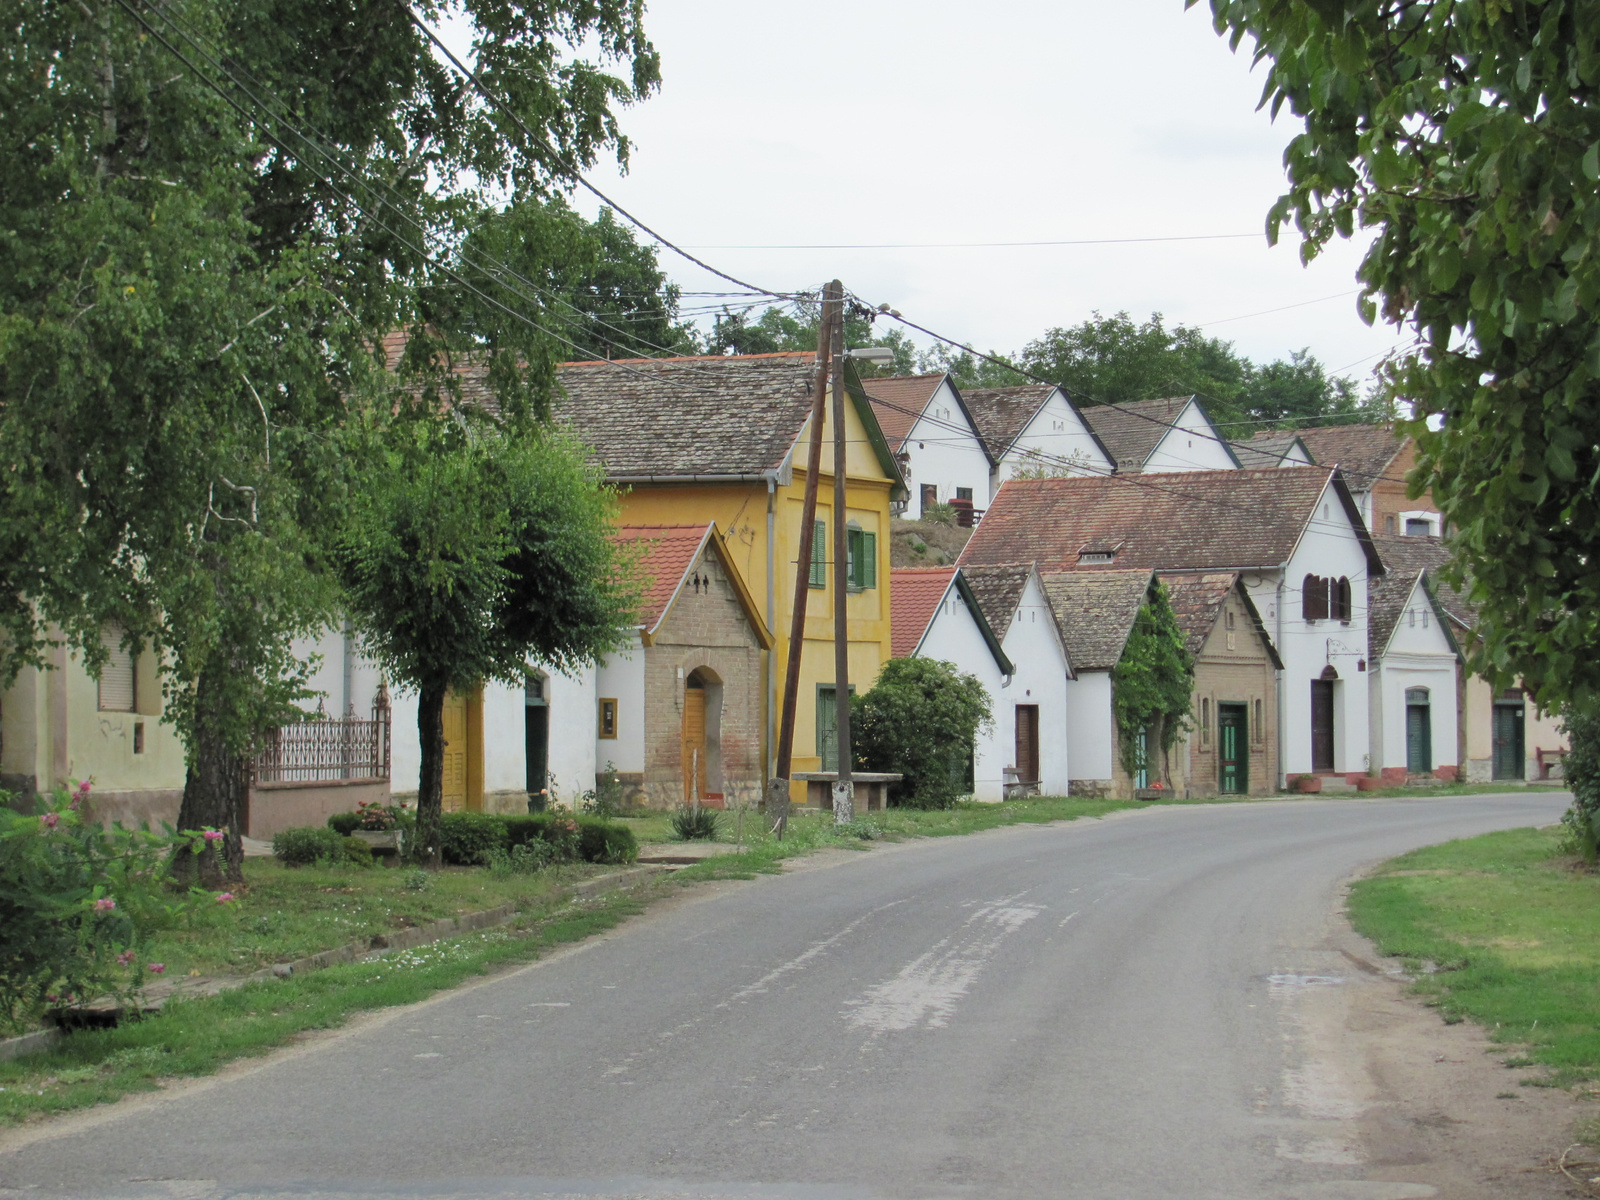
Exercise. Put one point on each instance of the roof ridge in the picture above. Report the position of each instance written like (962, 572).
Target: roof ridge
(611, 362)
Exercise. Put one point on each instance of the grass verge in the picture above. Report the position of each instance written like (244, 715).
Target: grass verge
(196, 1037)
(1504, 930)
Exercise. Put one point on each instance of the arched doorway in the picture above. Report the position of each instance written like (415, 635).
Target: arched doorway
(702, 738)
(1322, 709)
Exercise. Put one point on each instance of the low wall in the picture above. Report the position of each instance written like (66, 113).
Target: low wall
(278, 806)
(151, 808)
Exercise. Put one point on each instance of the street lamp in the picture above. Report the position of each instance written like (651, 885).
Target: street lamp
(878, 356)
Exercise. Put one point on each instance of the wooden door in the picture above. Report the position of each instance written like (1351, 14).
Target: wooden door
(694, 743)
(1510, 751)
(455, 752)
(1419, 740)
(1233, 755)
(1322, 724)
(1028, 744)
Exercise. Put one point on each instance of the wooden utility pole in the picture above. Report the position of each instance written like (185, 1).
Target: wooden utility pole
(843, 788)
(778, 787)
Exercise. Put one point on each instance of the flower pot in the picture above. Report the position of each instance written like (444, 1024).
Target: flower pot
(1368, 783)
(1308, 784)
(1152, 793)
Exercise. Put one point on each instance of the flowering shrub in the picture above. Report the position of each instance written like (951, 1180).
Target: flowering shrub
(76, 904)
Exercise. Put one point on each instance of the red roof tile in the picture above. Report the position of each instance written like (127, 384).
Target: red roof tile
(914, 596)
(1364, 451)
(666, 554)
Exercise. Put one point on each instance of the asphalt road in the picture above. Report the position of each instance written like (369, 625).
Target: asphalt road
(1095, 1010)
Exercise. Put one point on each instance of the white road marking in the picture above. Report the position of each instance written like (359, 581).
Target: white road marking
(798, 963)
(1065, 919)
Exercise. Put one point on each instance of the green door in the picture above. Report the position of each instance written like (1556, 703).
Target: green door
(1509, 751)
(1419, 740)
(828, 725)
(1233, 753)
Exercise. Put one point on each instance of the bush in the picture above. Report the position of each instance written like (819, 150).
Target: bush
(357, 852)
(557, 830)
(865, 830)
(345, 824)
(76, 904)
(694, 824)
(602, 842)
(920, 720)
(307, 844)
(1581, 770)
(467, 838)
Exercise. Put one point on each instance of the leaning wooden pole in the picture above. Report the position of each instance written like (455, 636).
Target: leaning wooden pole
(778, 787)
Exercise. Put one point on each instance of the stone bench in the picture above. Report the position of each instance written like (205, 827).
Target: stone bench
(872, 789)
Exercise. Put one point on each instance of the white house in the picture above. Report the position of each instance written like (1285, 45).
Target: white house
(1035, 429)
(1154, 437)
(932, 434)
(1274, 449)
(1413, 677)
(1293, 534)
(935, 615)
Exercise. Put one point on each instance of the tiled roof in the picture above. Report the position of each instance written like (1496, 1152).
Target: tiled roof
(998, 591)
(1002, 413)
(899, 400)
(687, 417)
(1364, 451)
(1269, 449)
(1131, 432)
(1408, 556)
(1095, 612)
(666, 552)
(1197, 521)
(1197, 599)
(914, 595)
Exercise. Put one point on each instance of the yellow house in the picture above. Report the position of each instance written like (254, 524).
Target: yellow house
(726, 439)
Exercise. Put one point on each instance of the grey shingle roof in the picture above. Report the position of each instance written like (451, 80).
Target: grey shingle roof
(688, 417)
(998, 590)
(1131, 431)
(1269, 449)
(1002, 413)
(1197, 600)
(1364, 451)
(1095, 612)
(1406, 558)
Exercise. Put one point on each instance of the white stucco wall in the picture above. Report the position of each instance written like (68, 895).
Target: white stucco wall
(1328, 548)
(1033, 644)
(1192, 445)
(953, 636)
(1089, 725)
(1055, 438)
(944, 456)
(621, 677)
(1419, 655)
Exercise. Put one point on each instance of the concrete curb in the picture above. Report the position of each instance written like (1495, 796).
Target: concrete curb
(371, 948)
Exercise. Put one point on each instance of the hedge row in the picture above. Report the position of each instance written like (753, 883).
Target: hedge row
(471, 839)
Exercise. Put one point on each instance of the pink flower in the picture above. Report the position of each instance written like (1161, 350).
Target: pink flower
(50, 820)
(104, 904)
(83, 788)
(213, 835)
(225, 898)
(157, 968)
(125, 957)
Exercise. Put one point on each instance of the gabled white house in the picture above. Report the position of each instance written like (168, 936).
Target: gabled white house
(935, 615)
(1035, 430)
(1155, 437)
(933, 436)
(1293, 534)
(1414, 676)
(1032, 720)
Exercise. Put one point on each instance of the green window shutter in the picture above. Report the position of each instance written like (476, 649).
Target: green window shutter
(819, 555)
(869, 559)
(852, 541)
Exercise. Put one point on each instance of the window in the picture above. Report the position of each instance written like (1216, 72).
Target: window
(1314, 598)
(117, 685)
(1389, 523)
(930, 495)
(138, 737)
(1205, 722)
(1257, 734)
(1417, 695)
(608, 718)
(819, 555)
(1419, 527)
(1058, 426)
(1341, 607)
(964, 494)
(1228, 619)
(861, 549)
(1095, 558)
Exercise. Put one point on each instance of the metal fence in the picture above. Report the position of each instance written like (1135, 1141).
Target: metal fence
(327, 749)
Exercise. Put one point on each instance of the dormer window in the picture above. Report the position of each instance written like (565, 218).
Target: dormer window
(1096, 558)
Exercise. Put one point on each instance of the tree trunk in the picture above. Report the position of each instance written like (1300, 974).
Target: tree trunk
(213, 797)
(430, 785)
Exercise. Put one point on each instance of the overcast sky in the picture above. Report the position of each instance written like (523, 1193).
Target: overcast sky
(868, 121)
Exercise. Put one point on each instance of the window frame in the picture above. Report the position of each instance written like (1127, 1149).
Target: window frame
(607, 706)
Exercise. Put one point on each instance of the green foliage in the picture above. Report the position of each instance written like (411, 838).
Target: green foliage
(305, 845)
(602, 842)
(606, 798)
(864, 830)
(558, 830)
(467, 839)
(691, 823)
(1581, 771)
(77, 904)
(1468, 137)
(1151, 684)
(345, 823)
(920, 719)
(475, 839)
(417, 880)
(795, 327)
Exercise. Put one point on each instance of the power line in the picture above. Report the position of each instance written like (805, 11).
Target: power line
(1268, 311)
(1198, 237)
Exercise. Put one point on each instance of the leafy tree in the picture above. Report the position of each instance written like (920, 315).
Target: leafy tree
(920, 719)
(473, 553)
(1151, 686)
(1467, 135)
(795, 327)
(192, 287)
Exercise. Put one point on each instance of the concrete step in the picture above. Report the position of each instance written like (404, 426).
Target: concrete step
(1336, 783)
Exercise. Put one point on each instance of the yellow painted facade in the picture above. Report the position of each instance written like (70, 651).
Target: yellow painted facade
(741, 511)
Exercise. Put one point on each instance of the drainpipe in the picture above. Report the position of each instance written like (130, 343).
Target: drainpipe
(1281, 673)
(772, 585)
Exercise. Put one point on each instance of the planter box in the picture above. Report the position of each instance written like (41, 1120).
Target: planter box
(382, 841)
(1152, 793)
(1308, 784)
(1369, 783)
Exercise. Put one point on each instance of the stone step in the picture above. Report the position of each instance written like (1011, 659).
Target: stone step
(1336, 783)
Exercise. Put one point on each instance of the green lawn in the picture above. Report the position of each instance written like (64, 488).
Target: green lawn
(1504, 930)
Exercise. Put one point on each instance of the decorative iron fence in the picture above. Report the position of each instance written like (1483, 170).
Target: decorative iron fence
(328, 749)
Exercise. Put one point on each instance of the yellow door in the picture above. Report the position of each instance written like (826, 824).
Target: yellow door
(694, 744)
(455, 752)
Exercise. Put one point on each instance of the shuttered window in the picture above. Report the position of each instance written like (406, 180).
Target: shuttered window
(863, 555)
(116, 680)
(819, 555)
